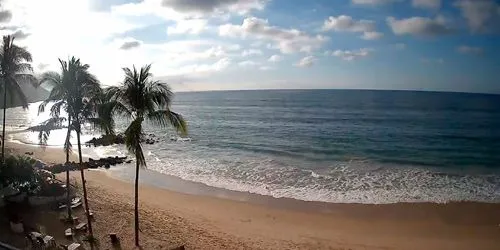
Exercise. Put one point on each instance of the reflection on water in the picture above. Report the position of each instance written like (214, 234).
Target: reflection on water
(19, 119)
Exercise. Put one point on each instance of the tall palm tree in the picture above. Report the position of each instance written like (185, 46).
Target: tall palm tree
(72, 91)
(15, 68)
(141, 99)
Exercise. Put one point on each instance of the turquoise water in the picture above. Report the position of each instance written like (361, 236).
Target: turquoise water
(337, 145)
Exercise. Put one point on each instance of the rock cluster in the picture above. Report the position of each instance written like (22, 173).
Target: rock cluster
(102, 162)
(107, 140)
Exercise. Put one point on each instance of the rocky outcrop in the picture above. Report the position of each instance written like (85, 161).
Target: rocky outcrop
(106, 162)
(107, 140)
(102, 162)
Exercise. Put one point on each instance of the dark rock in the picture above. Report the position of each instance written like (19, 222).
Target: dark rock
(103, 162)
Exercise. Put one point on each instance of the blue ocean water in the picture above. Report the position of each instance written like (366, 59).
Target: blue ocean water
(358, 146)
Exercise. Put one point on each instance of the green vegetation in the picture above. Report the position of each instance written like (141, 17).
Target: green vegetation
(18, 173)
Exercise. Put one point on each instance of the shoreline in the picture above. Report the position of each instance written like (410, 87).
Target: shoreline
(206, 222)
(177, 184)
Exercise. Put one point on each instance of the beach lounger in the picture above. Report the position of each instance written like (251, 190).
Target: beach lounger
(35, 235)
(74, 246)
(68, 232)
(76, 200)
(49, 241)
(75, 205)
(82, 226)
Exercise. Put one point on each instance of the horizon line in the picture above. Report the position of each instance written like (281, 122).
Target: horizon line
(341, 89)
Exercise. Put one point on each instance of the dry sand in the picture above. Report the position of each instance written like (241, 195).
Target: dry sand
(169, 219)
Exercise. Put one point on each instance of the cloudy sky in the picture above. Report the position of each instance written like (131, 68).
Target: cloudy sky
(444, 45)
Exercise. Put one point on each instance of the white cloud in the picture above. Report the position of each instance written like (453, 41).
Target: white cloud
(419, 26)
(204, 68)
(256, 44)
(97, 36)
(373, 2)
(42, 66)
(345, 23)
(470, 50)
(306, 62)
(481, 15)
(88, 35)
(247, 63)
(186, 9)
(191, 26)
(129, 43)
(5, 16)
(249, 52)
(286, 40)
(427, 4)
(20, 35)
(265, 68)
(213, 6)
(233, 47)
(372, 35)
(275, 58)
(351, 55)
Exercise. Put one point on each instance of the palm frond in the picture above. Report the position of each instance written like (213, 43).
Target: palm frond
(116, 108)
(144, 75)
(22, 54)
(15, 69)
(163, 118)
(160, 93)
(51, 78)
(55, 110)
(46, 127)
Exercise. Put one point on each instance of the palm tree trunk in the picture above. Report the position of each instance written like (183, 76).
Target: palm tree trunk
(68, 200)
(3, 127)
(136, 202)
(82, 173)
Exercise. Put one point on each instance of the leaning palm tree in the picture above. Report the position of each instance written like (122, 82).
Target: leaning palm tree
(15, 68)
(141, 99)
(71, 90)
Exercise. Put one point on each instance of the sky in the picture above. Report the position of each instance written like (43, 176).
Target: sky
(196, 45)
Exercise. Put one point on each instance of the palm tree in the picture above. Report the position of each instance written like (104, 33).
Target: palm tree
(15, 68)
(141, 99)
(72, 91)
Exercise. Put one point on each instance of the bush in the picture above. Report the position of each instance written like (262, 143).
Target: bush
(19, 173)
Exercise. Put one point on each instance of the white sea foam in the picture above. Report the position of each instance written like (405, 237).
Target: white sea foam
(348, 182)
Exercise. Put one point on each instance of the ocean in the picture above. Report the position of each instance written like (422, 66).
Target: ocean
(342, 146)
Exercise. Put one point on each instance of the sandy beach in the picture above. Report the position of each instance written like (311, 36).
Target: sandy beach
(170, 219)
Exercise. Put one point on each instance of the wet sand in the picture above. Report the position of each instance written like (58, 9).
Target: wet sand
(171, 218)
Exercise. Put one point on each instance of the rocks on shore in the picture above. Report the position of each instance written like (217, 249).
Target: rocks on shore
(107, 140)
(102, 162)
